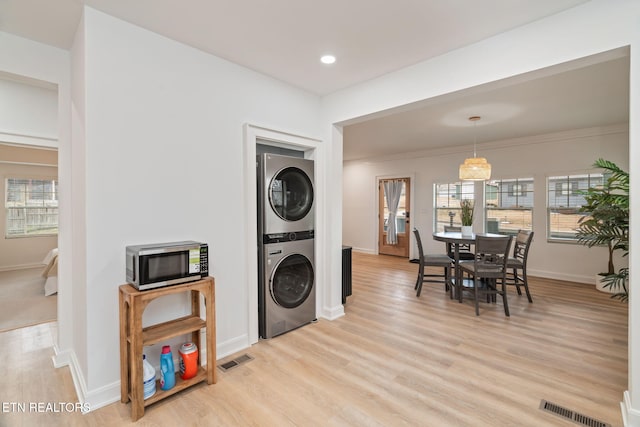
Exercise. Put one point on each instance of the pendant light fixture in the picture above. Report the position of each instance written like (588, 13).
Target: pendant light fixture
(476, 168)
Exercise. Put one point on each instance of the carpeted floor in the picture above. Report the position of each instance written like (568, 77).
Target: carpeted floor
(22, 300)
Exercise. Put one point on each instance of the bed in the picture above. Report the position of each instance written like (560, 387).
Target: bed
(50, 272)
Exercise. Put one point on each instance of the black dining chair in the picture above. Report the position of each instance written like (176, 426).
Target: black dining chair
(432, 260)
(465, 251)
(517, 265)
(487, 271)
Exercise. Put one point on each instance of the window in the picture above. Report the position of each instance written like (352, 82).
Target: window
(516, 190)
(31, 207)
(509, 205)
(564, 200)
(567, 188)
(447, 202)
(401, 213)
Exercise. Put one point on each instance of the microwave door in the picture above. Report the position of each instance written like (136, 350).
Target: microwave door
(167, 266)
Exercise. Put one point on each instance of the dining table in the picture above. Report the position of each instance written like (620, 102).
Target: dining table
(456, 238)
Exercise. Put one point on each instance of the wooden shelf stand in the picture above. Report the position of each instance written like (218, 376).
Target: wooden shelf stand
(133, 337)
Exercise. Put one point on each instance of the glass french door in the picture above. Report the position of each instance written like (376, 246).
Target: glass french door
(403, 223)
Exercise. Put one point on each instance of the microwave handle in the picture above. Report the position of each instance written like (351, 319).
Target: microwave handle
(135, 267)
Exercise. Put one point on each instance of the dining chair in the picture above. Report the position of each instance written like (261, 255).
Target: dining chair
(517, 265)
(432, 260)
(466, 253)
(488, 270)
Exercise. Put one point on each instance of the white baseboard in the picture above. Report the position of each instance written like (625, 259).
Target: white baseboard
(577, 278)
(68, 358)
(630, 416)
(103, 396)
(22, 266)
(332, 313)
(233, 345)
(60, 358)
(90, 399)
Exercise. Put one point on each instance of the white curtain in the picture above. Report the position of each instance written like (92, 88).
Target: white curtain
(392, 192)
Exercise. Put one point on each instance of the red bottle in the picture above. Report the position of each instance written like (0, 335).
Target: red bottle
(188, 360)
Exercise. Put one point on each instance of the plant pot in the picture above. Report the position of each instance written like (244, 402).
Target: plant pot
(600, 285)
(467, 230)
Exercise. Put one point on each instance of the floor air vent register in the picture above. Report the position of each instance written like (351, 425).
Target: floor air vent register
(235, 362)
(570, 415)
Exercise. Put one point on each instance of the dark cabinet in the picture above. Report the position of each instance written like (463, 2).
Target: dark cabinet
(346, 273)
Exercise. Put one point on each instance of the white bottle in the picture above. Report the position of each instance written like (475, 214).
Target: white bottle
(148, 378)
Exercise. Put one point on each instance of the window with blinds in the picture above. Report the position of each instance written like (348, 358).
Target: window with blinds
(509, 205)
(447, 203)
(564, 200)
(31, 207)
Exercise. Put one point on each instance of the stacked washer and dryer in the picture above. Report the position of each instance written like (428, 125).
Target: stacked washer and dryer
(286, 276)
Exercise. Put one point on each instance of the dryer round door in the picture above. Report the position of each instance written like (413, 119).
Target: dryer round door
(291, 194)
(292, 281)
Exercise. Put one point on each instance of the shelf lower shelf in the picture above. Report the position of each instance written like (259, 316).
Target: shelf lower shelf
(164, 331)
(180, 385)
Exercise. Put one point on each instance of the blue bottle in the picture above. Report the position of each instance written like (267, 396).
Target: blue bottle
(167, 372)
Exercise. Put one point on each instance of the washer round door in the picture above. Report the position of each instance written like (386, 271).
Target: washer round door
(292, 281)
(291, 194)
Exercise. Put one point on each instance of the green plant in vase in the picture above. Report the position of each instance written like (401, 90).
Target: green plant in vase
(607, 223)
(466, 215)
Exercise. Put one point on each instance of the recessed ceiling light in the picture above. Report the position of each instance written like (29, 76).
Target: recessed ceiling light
(328, 59)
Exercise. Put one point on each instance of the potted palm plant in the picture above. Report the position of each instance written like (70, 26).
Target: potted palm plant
(607, 224)
(466, 216)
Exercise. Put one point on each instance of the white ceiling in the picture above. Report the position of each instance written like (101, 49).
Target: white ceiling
(588, 93)
(285, 38)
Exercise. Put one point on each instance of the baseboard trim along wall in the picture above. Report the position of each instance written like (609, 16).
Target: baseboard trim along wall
(90, 400)
(576, 278)
(22, 266)
(332, 313)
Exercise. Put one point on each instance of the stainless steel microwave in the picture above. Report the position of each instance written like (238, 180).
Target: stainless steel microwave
(164, 264)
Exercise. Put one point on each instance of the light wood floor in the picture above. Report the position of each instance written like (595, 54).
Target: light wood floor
(392, 360)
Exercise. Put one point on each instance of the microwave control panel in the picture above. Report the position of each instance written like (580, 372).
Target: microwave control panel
(204, 260)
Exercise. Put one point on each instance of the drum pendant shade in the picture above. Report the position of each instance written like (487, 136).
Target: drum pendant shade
(475, 168)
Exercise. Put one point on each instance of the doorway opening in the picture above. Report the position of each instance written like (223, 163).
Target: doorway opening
(259, 139)
(28, 248)
(394, 222)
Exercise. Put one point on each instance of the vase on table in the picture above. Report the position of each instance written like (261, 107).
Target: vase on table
(467, 230)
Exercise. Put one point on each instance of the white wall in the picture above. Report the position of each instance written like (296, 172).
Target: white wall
(28, 111)
(589, 29)
(163, 141)
(546, 155)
